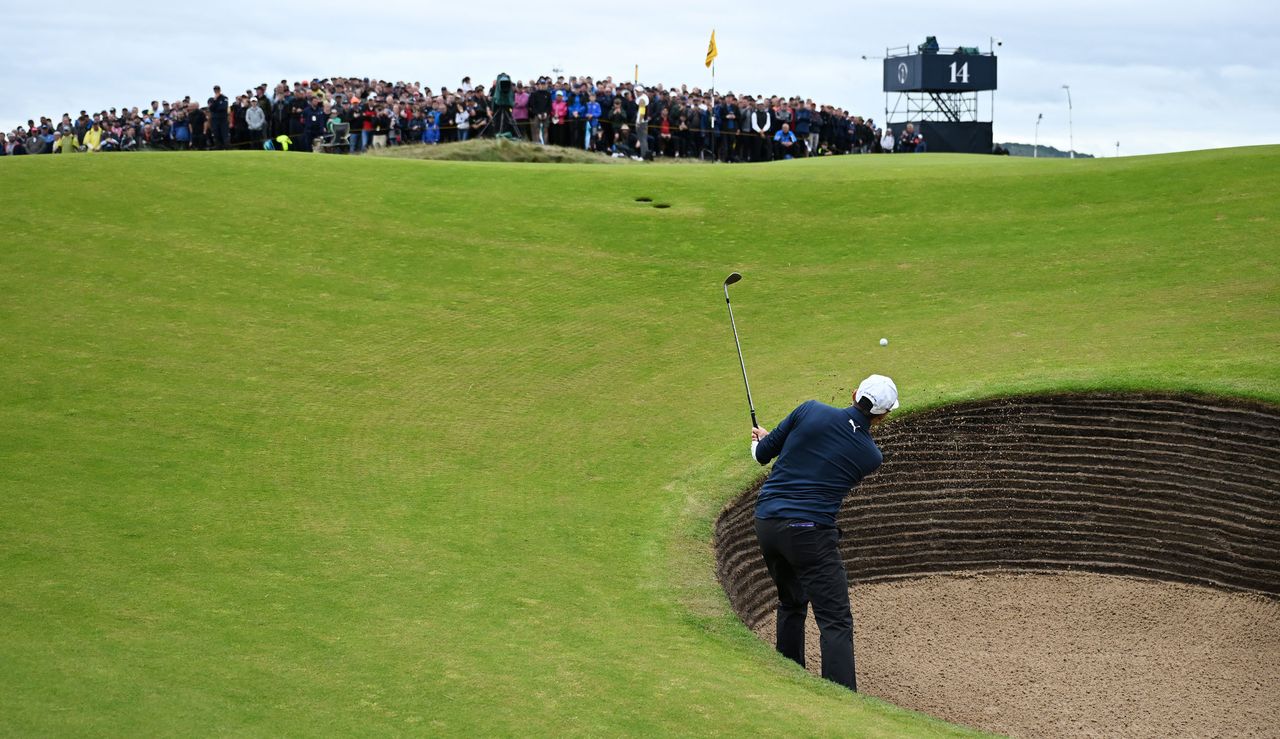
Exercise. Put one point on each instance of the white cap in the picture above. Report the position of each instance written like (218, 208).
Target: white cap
(881, 391)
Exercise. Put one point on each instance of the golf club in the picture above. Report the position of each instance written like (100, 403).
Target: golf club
(732, 278)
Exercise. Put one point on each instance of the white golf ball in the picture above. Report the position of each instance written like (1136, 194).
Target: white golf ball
(884, 342)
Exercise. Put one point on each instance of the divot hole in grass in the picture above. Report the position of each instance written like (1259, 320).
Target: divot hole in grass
(1068, 564)
(662, 206)
(644, 199)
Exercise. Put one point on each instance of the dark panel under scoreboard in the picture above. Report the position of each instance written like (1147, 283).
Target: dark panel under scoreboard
(961, 137)
(940, 73)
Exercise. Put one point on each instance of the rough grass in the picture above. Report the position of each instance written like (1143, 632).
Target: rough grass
(496, 150)
(338, 445)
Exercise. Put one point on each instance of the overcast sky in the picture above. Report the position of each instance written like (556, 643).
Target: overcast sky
(1155, 76)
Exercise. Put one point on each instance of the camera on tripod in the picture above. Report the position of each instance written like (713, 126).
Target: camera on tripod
(503, 125)
(504, 93)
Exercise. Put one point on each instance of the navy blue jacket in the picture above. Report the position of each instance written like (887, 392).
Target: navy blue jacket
(218, 108)
(313, 119)
(723, 122)
(803, 117)
(822, 453)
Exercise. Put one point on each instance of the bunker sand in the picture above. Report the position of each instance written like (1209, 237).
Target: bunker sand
(1044, 655)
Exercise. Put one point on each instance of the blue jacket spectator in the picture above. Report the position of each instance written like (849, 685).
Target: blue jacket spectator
(431, 134)
(802, 122)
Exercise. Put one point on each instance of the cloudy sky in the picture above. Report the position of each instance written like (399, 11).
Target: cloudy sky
(1155, 76)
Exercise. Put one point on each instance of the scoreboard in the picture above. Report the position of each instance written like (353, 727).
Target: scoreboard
(940, 73)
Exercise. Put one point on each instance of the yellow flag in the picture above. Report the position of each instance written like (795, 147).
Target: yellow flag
(711, 50)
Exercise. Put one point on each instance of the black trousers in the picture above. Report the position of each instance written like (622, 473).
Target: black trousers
(728, 145)
(804, 561)
(219, 133)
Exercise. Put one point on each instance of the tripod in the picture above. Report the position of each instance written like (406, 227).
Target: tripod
(503, 124)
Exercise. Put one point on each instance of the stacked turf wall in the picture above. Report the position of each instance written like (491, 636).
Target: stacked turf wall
(1167, 487)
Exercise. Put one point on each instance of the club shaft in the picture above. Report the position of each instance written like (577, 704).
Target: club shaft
(741, 362)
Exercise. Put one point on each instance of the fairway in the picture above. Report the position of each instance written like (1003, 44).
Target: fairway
(354, 445)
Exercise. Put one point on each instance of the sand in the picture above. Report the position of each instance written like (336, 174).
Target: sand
(1058, 655)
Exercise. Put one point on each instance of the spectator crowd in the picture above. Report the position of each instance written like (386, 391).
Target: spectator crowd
(352, 115)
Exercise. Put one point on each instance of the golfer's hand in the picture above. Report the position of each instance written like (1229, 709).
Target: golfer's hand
(758, 433)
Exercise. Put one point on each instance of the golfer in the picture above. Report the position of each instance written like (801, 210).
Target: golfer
(822, 453)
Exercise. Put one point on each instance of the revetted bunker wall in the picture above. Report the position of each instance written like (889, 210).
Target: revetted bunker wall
(1166, 487)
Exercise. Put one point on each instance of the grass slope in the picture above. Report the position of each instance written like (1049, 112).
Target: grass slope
(316, 445)
(496, 150)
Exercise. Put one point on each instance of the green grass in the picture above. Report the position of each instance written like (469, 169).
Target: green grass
(336, 445)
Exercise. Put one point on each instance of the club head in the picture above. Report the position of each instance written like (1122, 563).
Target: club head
(732, 278)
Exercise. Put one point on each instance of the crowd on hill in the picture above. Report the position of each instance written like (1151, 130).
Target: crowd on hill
(351, 115)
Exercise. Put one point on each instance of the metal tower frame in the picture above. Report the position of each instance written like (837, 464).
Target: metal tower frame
(952, 107)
